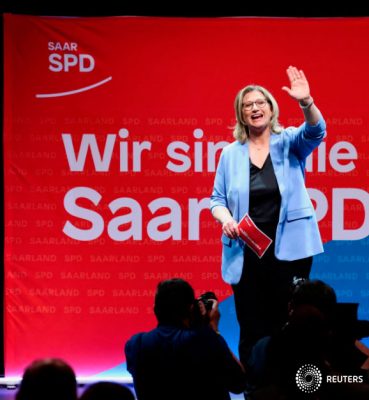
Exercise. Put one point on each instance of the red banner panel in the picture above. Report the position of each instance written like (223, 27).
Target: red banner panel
(112, 132)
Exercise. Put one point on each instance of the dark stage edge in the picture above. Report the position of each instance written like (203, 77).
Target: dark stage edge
(9, 394)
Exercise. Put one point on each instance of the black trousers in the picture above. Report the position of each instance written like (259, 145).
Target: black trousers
(262, 295)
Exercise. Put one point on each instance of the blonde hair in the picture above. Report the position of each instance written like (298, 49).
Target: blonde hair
(241, 132)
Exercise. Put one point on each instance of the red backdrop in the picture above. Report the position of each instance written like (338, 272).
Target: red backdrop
(112, 131)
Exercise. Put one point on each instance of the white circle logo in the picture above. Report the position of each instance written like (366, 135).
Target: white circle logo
(308, 378)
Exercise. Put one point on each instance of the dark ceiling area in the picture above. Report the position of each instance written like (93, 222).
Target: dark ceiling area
(216, 8)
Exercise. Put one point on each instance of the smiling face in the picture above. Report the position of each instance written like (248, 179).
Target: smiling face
(256, 111)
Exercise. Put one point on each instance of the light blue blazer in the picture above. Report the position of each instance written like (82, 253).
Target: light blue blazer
(297, 233)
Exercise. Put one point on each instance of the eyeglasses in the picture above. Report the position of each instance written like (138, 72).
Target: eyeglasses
(260, 103)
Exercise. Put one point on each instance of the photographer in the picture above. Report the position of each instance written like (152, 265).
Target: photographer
(184, 357)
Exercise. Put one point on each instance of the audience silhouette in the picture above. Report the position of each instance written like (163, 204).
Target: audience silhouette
(48, 379)
(312, 335)
(185, 357)
(107, 391)
(181, 358)
(346, 351)
(275, 359)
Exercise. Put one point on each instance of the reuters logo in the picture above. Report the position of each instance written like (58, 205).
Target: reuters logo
(308, 378)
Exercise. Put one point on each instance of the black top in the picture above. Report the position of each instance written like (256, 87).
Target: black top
(265, 199)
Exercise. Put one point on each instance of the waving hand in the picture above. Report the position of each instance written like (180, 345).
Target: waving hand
(299, 85)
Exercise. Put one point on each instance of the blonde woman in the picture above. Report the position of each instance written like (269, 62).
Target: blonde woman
(262, 173)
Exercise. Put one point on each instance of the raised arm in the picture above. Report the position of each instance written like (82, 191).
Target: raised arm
(300, 91)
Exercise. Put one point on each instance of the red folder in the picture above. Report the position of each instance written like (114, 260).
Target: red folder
(256, 239)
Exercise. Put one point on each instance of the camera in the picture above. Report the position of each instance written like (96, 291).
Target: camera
(206, 299)
(203, 319)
